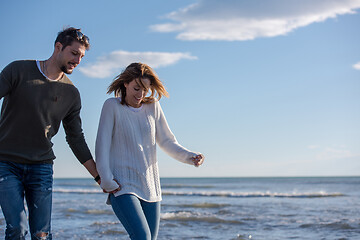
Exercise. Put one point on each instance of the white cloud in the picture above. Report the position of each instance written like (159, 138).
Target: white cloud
(331, 153)
(239, 20)
(335, 153)
(110, 65)
(357, 66)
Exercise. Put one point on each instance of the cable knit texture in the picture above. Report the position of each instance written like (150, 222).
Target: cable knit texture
(126, 148)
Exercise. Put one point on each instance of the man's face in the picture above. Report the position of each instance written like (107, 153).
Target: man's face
(70, 57)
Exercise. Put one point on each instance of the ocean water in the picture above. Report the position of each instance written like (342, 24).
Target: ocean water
(219, 208)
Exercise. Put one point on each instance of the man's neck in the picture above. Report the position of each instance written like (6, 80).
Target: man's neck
(51, 70)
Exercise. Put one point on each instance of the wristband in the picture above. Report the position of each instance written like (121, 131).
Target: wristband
(97, 178)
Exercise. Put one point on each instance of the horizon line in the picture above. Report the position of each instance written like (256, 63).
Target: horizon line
(330, 176)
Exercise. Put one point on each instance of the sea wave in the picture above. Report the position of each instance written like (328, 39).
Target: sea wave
(90, 211)
(185, 186)
(78, 190)
(204, 205)
(105, 223)
(197, 205)
(187, 216)
(320, 194)
(340, 225)
(113, 232)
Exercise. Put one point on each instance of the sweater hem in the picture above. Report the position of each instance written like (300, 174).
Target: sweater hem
(23, 161)
(136, 195)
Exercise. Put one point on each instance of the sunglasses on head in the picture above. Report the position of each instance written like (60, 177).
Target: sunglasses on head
(78, 35)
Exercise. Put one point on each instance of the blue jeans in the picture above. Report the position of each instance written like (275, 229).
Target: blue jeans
(34, 182)
(140, 218)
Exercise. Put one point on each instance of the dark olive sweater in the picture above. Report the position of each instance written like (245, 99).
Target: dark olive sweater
(32, 110)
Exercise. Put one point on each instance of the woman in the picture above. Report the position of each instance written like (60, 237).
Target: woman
(131, 124)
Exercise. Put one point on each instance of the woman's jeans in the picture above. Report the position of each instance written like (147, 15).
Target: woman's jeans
(34, 182)
(140, 218)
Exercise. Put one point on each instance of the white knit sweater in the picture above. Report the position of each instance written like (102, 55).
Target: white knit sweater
(126, 148)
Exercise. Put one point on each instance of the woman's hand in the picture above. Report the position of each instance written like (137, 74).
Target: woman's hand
(198, 160)
(113, 191)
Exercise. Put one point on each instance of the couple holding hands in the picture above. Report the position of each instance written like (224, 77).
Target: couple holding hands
(38, 97)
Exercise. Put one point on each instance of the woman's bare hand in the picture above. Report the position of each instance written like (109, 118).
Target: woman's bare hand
(198, 160)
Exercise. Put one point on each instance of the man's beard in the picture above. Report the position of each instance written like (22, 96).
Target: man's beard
(65, 70)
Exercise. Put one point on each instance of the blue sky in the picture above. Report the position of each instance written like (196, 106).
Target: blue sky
(261, 87)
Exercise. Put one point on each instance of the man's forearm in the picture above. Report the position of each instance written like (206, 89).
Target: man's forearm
(91, 167)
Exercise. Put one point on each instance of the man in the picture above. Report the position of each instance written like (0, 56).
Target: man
(38, 96)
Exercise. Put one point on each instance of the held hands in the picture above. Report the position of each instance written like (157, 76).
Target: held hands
(198, 160)
(113, 191)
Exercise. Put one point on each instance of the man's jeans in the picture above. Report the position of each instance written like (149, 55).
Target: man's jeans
(34, 181)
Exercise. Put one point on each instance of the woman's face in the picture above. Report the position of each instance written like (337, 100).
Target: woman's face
(135, 92)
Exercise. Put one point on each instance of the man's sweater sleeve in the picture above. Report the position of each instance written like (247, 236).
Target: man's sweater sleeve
(103, 145)
(74, 133)
(167, 141)
(6, 80)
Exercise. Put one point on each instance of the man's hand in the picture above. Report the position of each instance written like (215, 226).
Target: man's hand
(113, 191)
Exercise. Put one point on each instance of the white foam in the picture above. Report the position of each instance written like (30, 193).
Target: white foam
(76, 190)
(256, 194)
(195, 216)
